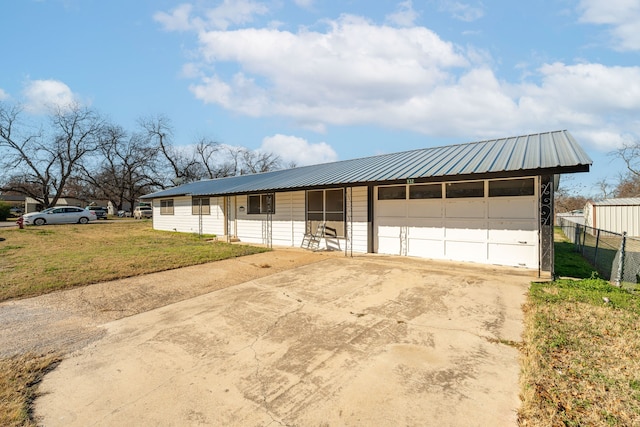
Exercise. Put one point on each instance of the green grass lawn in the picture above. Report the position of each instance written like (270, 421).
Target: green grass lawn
(581, 350)
(37, 260)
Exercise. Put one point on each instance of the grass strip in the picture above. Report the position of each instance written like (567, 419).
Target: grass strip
(19, 378)
(581, 352)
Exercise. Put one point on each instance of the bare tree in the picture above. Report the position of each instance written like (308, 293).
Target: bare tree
(125, 167)
(38, 162)
(181, 165)
(208, 153)
(629, 183)
(258, 161)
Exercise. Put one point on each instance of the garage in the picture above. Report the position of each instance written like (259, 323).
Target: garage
(484, 221)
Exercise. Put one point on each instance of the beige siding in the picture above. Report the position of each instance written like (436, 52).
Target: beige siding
(287, 224)
(184, 221)
(360, 235)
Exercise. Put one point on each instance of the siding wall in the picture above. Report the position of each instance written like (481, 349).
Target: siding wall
(618, 218)
(287, 224)
(184, 221)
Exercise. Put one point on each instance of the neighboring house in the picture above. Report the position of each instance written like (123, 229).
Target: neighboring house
(32, 205)
(15, 201)
(489, 202)
(616, 215)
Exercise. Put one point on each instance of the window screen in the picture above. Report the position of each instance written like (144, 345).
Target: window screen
(427, 191)
(397, 192)
(465, 189)
(326, 206)
(512, 187)
(200, 206)
(262, 204)
(166, 207)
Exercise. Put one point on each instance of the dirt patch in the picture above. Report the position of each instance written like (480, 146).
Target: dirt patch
(68, 320)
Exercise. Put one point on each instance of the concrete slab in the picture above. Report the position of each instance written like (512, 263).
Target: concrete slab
(345, 341)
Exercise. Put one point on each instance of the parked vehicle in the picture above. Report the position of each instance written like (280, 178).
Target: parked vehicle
(124, 214)
(15, 211)
(101, 213)
(60, 215)
(142, 212)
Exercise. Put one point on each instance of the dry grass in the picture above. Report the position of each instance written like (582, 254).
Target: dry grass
(581, 355)
(19, 377)
(37, 260)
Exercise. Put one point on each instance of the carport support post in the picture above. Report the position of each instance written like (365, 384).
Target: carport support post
(546, 224)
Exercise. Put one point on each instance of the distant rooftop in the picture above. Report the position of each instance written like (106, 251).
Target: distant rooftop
(629, 201)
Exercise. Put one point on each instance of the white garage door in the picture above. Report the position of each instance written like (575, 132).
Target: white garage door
(491, 222)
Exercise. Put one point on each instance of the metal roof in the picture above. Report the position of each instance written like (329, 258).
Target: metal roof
(550, 152)
(630, 201)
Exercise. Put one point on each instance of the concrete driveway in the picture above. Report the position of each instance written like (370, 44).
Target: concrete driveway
(346, 341)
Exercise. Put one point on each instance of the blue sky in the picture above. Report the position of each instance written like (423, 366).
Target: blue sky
(318, 80)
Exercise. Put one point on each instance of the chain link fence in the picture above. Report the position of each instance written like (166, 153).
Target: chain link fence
(613, 255)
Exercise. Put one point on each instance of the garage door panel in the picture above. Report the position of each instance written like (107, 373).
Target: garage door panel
(425, 208)
(466, 251)
(473, 231)
(392, 208)
(435, 232)
(389, 245)
(428, 248)
(516, 208)
(391, 221)
(389, 231)
(512, 232)
(518, 255)
(465, 208)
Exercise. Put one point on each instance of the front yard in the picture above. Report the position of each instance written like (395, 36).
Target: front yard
(38, 260)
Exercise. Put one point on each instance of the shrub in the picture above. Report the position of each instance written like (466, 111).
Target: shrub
(4, 210)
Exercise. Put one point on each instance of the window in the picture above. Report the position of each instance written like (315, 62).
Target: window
(512, 187)
(262, 204)
(326, 206)
(398, 192)
(465, 189)
(200, 206)
(427, 191)
(166, 207)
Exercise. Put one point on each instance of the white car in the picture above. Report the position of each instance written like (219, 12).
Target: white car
(60, 215)
(142, 212)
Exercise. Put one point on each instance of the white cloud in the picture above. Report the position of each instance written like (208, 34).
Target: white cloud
(405, 16)
(352, 67)
(3, 95)
(41, 95)
(622, 16)
(356, 72)
(462, 11)
(226, 14)
(178, 19)
(298, 150)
